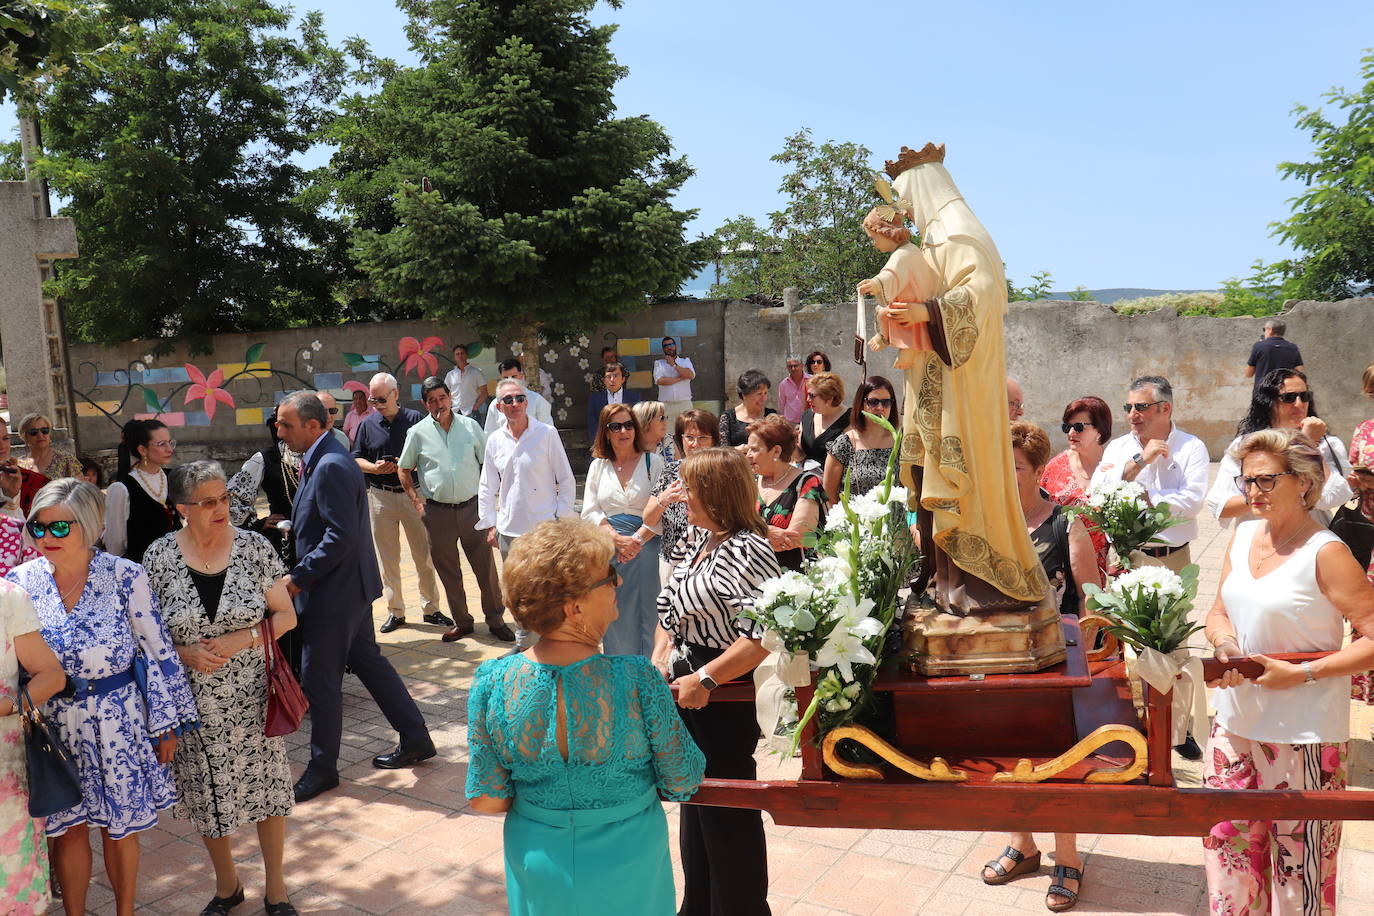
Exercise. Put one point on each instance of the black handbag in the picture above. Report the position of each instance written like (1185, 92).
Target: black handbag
(54, 781)
(1352, 525)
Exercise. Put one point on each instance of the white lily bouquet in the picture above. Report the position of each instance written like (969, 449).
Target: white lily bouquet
(1124, 514)
(834, 617)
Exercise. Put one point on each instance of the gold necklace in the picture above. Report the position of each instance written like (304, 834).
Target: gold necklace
(160, 492)
(1275, 551)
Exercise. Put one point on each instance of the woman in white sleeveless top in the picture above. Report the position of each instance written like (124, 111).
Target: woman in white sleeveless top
(1288, 585)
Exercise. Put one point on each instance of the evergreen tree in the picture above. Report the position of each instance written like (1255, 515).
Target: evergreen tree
(493, 185)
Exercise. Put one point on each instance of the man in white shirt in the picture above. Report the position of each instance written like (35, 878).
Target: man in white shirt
(673, 374)
(526, 478)
(539, 407)
(468, 384)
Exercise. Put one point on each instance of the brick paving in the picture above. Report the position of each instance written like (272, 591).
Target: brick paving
(405, 842)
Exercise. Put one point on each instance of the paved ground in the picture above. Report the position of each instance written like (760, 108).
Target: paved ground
(404, 842)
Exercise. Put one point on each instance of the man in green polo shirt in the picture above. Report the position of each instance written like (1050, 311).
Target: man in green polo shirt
(446, 449)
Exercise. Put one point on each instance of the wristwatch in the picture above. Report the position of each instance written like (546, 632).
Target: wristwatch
(1136, 458)
(1307, 671)
(706, 680)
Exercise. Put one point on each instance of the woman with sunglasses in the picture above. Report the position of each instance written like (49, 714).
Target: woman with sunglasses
(817, 361)
(576, 747)
(215, 583)
(864, 449)
(1287, 585)
(753, 387)
(1088, 425)
(1283, 400)
(138, 504)
(619, 483)
(36, 432)
(97, 613)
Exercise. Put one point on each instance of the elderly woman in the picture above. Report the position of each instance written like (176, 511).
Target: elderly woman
(864, 449)
(753, 388)
(23, 852)
(1088, 424)
(791, 500)
(1287, 585)
(619, 483)
(696, 430)
(653, 420)
(215, 583)
(99, 616)
(824, 420)
(573, 746)
(703, 640)
(1283, 401)
(36, 432)
(138, 505)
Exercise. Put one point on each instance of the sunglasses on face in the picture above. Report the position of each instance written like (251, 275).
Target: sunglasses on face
(381, 400)
(1289, 397)
(876, 403)
(513, 399)
(1140, 408)
(818, 362)
(620, 426)
(612, 579)
(333, 411)
(1265, 482)
(1076, 427)
(210, 502)
(43, 431)
(58, 529)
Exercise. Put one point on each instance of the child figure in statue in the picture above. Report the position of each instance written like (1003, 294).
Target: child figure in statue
(906, 281)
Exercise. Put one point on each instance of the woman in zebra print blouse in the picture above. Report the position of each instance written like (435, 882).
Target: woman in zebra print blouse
(703, 641)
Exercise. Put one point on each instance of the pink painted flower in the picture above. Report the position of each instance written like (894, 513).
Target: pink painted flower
(1331, 759)
(415, 355)
(207, 390)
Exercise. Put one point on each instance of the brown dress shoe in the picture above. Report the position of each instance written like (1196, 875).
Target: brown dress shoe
(457, 632)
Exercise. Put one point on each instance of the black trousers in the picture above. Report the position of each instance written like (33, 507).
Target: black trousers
(330, 642)
(724, 856)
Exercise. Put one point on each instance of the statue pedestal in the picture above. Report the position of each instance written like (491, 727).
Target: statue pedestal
(937, 643)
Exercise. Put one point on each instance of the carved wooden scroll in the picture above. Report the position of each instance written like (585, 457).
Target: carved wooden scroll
(937, 770)
(1090, 625)
(1025, 772)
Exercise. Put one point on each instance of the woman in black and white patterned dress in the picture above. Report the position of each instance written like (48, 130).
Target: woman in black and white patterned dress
(215, 583)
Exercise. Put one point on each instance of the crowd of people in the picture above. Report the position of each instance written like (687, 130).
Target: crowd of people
(140, 615)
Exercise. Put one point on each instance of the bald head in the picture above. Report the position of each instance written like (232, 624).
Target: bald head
(331, 406)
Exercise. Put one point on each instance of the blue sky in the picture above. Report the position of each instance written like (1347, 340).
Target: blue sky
(1111, 144)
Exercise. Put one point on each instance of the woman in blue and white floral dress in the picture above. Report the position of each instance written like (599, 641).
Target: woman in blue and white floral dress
(98, 615)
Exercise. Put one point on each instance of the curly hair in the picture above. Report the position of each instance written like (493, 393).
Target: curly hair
(1266, 398)
(775, 430)
(895, 230)
(1033, 442)
(550, 566)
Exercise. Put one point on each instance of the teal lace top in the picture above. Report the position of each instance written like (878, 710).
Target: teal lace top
(624, 734)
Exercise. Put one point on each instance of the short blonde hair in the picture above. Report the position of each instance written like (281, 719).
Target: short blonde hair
(1297, 453)
(83, 500)
(645, 411)
(827, 385)
(721, 485)
(553, 564)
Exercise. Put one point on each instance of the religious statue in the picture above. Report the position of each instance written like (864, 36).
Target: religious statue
(942, 306)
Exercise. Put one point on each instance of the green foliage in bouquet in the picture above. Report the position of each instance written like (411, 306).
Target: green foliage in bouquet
(1148, 607)
(1124, 514)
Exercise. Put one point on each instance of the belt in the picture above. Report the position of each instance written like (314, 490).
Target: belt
(1157, 552)
(94, 688)
(585, 817)
(387, 487)
(435, 502)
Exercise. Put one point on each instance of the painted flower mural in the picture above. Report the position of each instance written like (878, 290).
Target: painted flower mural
(209, 389)
(415, 356)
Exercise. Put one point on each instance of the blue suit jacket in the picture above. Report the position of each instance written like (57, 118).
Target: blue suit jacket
(330, 522)
(598, 401)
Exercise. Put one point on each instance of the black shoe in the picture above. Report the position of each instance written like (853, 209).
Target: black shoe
(1189, 750)
(392, 622)
(439, 619)
(404, 756)
(312, 784)
(502, 632)
(279, 909)
(220, 906)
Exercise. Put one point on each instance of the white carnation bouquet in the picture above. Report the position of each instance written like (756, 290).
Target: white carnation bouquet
(1122, 512)
(1148, 607)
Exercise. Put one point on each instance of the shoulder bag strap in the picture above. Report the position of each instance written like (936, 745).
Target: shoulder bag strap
(1334, 460)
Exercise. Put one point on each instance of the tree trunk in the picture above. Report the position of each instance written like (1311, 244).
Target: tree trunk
(528, 335)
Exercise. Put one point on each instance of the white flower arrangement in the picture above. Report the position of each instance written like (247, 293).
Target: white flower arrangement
(1122, 512)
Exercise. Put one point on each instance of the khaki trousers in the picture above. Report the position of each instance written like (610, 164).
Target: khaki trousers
(448, 526)
(1175, 561)
(391, 512)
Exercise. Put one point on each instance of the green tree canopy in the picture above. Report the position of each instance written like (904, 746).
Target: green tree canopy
(177, 159)
(492, 184)
(816, 241)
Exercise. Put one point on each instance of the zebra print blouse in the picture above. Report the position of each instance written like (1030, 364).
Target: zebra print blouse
(701, 604)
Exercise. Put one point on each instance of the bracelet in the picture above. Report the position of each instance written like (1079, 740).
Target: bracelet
(1230, 636)
(1309, 677)
(257, 637)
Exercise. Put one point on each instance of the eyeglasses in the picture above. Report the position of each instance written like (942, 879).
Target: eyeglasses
(1015, 405)
(878, 402)
(612, 579)
(38, 431)
(818, 362)
(58, 529)
(165, 443)
(1139, 408)
(210, 502)
(1265, 482)
(513, 399)
(620, 426)
(333, 411)
(381, 400)
(1076, 427)
(669, 343)
(1288, 397)
(694, 440)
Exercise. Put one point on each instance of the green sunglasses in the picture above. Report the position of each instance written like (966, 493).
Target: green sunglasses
(58, 529)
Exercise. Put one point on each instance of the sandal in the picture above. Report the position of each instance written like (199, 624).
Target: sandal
(220, 906)
(1025, 865)
(1057, 889)
(279, 909)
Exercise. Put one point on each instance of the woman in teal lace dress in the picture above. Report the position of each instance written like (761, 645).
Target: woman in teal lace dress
(574, 746)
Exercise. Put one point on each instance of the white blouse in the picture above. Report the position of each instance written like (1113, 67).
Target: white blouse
(603, 495)
(1335, 493)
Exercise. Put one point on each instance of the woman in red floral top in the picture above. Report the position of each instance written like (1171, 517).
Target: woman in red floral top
(1362, 456)
(790, 500)
(1088, 424)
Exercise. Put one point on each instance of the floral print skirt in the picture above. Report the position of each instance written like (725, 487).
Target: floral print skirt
(1285, 868)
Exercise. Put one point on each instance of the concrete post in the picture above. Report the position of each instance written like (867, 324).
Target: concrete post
(791, 299)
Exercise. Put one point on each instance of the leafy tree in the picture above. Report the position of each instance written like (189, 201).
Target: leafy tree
(176, 158)
(492, 184)
(11, 161)
(41, 38)
(816, 241)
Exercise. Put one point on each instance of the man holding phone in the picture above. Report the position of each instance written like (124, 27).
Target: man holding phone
(381, 438)
(17, 485)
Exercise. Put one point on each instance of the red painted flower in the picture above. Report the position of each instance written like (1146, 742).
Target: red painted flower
(207, 389)
(414, 355)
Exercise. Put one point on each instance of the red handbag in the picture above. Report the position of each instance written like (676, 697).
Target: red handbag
(286, 703)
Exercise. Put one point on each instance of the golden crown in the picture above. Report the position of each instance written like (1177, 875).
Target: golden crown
(909, 158)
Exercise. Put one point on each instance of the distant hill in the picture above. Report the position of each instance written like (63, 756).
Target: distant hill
(1107, 296)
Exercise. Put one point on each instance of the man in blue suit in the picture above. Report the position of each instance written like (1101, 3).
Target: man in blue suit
(614, 375)
(334, 584)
